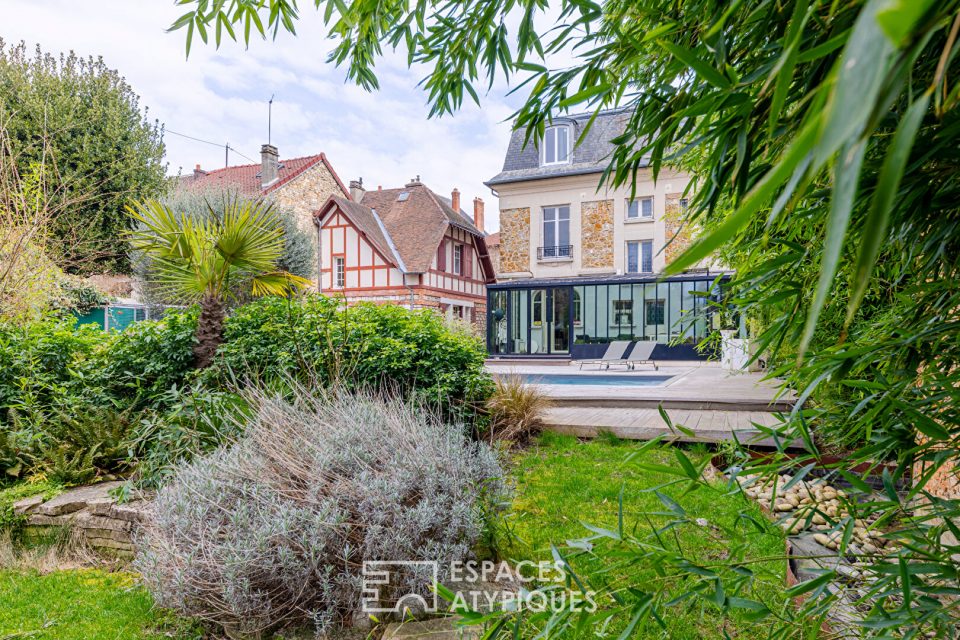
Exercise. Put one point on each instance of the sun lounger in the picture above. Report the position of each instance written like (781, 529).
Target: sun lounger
(613, 355)
(641, 354)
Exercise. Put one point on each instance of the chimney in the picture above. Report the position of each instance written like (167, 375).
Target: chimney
(478, 213)
(357, 190)
(414, 182)
(269, 164)
(455, 200)
(197, 172)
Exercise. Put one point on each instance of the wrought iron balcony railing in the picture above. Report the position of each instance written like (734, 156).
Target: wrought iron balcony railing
(556, 251)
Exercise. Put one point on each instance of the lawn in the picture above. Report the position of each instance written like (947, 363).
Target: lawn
(82, 604)
(562, 483)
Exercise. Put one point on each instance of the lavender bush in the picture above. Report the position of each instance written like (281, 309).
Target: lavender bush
(274, 529)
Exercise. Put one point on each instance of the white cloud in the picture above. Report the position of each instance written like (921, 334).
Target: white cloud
(221, 96)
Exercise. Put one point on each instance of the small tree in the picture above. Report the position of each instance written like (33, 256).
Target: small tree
(200, 260)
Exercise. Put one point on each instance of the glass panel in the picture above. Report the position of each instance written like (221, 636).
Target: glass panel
(563, 224)
(549, 229)
(519, 321)
(497, 322)
(674, 308)
(562, 144)
(561, 320)
(633, 209)
(633, 257)
(585, 299)
(647, 207)
(647, 262)
(602, 309)
(550, 152)
(539, 327)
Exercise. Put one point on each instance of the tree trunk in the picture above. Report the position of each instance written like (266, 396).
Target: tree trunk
(209, 331)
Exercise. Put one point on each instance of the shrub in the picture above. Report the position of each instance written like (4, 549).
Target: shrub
(318, 340)
(275, 528)
(516, 410)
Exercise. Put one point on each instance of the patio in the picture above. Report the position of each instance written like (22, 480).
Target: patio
(715, 404)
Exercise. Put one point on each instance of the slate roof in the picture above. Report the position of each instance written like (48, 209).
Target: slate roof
(592, 155)
(245, 178)
(407, 231)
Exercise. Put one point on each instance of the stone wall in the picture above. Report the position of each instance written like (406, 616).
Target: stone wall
(91, 514)
(304, 195)
(515, 240)
(677, 235)
(597, 234)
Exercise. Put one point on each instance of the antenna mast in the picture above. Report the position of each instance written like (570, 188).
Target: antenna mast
(270, 119)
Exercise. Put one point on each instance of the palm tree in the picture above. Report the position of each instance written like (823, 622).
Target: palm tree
(212, 260)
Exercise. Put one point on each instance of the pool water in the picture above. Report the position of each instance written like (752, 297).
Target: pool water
(597, 380)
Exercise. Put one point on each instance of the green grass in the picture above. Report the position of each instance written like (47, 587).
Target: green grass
(83, 604)
(562, 483)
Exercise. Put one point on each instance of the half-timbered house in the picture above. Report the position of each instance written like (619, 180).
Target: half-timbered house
(405, 246)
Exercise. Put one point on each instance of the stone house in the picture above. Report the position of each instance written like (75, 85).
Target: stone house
(493, 248)
(580, 260)
(301, 185)
(405, 246)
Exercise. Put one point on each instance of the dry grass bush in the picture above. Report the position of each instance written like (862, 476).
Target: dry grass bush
(58, 550)
(516, 410)
(274, 529)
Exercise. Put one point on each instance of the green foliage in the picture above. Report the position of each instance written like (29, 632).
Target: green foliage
(76, 296)
(89, 120)
(317, 339)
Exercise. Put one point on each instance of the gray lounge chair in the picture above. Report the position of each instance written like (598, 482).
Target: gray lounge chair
(641, 353)
(613, 354)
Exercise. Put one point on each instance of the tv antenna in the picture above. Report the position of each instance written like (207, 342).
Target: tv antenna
(270, 119)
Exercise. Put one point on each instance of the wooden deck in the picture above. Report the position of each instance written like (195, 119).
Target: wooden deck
(712, 403)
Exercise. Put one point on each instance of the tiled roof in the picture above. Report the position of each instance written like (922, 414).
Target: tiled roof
(246, 178)
(373, 228)
(416, 223)
(493, 240)
(591, 155)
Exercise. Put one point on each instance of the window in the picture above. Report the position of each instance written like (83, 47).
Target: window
(654, 312)
(684, 204)
(537, 303)
(577, 309)
(556, 232)
(640, 209)
(623, 313)
(640, 256)
(458, 311)
(458, 259)
(339, 273)
(556, 145)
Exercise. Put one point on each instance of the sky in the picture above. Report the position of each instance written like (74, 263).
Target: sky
(221, 96)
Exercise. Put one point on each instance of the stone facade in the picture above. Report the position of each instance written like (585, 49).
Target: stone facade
(597, 234)
(515, 240)
(305, 194)
(678, 235)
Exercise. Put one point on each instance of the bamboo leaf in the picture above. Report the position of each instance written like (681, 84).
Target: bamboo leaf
(878, 219)
(689, 58)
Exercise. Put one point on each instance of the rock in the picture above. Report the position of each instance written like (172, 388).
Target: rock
(77, 499)
(819, 519)
(870, 548)
(822, 539)
(432, 629)
(27, 505)
(783, 506)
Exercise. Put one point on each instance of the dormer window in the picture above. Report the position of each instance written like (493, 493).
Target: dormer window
(556, 145)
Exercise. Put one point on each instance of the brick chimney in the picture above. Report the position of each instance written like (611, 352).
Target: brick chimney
(455, 199)
(414, 182)
(478, 213)
(269, 164)
(197, 172)
(357, 190)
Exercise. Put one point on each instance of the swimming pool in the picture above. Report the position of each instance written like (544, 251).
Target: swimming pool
(592, 379)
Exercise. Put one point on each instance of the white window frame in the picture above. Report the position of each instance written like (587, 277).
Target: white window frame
(639, 201)
(339, 272)
(556, 223)
(554, 130)
(618, 308)
(458, 259)
(640, 245)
